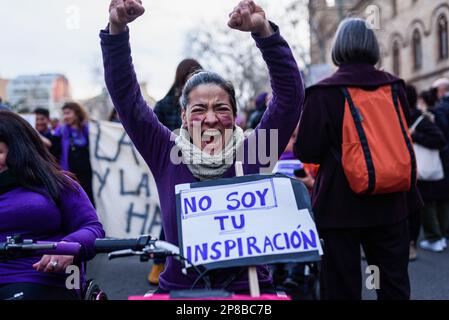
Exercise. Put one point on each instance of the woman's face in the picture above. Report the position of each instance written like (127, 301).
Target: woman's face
(42, 123)
(422, 105)
(3, 156)
(209, 118)
(69, 117)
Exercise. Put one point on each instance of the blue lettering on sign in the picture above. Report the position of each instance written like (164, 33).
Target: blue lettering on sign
(204, 204)
(250, 246)
(189, 253)
(275, 242)
(222, 200)
(295, 239)
(267, 244)
(236, 225)
(248, 200)
(252, 200)
(240, 246)
(229, 245)
(242, 222)
(202, 251)
(309, 241)
(222, 220)
(216, 251)
(287, 242)
(208, 201)
(262, 196)
(237, 204)
(191, 205)
(251, 241)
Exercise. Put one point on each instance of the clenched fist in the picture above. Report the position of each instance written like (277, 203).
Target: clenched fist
(248, 16)
(122, 12)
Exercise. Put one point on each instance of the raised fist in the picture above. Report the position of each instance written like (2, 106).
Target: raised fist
(248, 16)
(122, 12)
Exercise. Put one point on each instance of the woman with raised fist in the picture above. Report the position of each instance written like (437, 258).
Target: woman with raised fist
(208, 142)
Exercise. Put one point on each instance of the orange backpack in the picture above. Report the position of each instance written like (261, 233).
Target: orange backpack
(377, 151)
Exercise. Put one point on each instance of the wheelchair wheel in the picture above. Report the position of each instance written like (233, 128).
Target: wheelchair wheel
(93, 292)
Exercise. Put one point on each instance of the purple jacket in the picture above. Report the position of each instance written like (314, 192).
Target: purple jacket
(64, 133)
(319, 141)
(154, 141)
(34, 216)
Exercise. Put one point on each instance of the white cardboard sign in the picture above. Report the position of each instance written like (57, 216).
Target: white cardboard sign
(245, 221)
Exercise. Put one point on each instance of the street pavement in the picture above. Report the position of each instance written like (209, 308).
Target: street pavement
(121, 278)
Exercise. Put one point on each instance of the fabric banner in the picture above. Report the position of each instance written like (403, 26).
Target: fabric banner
(125, 191)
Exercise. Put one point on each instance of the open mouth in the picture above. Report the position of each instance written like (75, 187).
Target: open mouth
(209, 136)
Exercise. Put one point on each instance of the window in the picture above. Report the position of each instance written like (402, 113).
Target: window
(443, 38)
(396, 58)
(417, 50)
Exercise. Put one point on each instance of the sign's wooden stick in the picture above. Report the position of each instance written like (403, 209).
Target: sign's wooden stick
(254, 288)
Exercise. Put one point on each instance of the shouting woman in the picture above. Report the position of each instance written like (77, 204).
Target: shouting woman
(209, 137)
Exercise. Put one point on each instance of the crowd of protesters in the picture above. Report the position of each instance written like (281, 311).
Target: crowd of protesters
(366, 196)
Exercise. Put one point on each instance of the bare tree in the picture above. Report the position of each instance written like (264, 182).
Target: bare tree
(234, 55)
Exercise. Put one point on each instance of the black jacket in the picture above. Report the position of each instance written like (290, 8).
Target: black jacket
(335, 205)
(436, 136)
(168, 111)
(429, 135)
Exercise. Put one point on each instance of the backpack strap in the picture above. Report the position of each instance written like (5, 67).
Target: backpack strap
(358, 119)
(417, 123)
(395, 92)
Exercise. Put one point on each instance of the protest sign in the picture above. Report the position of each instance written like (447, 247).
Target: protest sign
(30, 118)
(246, 221)
(125, 191)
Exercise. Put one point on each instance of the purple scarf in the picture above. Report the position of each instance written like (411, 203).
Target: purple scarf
(81, 141)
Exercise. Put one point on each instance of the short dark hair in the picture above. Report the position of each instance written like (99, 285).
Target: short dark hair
(204, 78)
(430, 97)
(42, 112)
(412, 96)
(355, 42)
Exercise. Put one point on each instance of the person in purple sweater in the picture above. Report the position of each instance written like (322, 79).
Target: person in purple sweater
(38, 201)
(209, 111)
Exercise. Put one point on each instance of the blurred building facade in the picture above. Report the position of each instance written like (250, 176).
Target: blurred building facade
(413, 34)
(3, 85)
(48, 91)
(101, 106)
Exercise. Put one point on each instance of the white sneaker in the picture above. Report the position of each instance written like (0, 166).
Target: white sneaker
(436, 246)
(444, 243)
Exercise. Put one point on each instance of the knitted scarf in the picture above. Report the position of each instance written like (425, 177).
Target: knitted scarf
(205, 166)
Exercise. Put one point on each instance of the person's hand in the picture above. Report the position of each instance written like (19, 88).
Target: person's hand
(309, 181)
(50, 263)
(249, 17)
(122, 12)
(46, 142)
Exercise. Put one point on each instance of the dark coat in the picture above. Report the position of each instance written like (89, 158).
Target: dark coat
(319, 141)
(441, 112)
(439, 190)
(168, 111)
(429, 135)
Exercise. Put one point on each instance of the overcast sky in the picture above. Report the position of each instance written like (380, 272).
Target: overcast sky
(61, 36)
